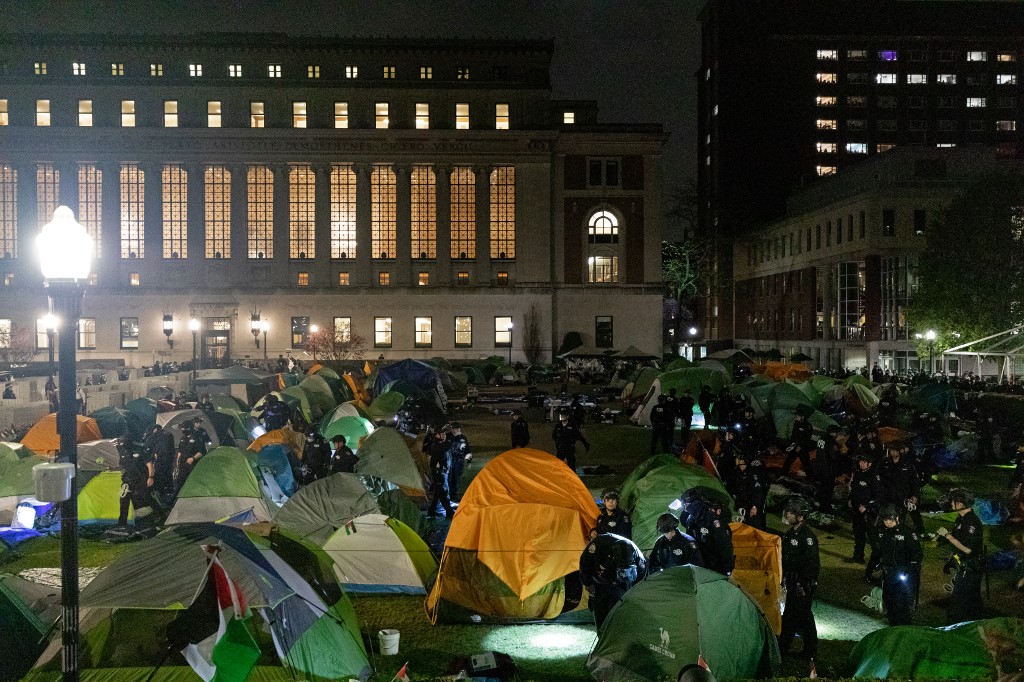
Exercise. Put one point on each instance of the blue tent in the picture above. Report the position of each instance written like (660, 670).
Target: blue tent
(414, 372)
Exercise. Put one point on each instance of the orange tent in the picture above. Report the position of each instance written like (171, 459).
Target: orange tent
(890, 434)
(42, 438)
(780, 371)
(293, 440)
(758, 569)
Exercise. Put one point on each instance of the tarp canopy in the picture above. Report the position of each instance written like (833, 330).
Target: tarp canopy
(27, 611)
(417, 373)
(317, 510)
(374, 554)
(353, 428)
(634, 353)
(221, 484)
(42, 438)
(759, 569)
(173, 422)
(389, 455)
(672, 618)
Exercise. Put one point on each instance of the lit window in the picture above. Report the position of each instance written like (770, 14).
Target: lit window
(273, 70)
(828, 78)
(714, 111)
(78, 68)
(462, 117)
(5, 329)
(462, 73)
(8, 212)
(502, 332)
(422, 115)
(462, 278)
(389, 72)
(423, 212)
(426, 72)
(463, 213)
(156, 70)
(87, 333)
(127, 113)
(298, 114)
(343, 279)
(42, 337)
(503, 212)
(885, 79)
(381, 113)
(195, 70)
(383, 218)
(1006, 57)
(40, 68)
(603, 269)
(825, 101)
(341, 114)
(946, 79)
(133, 279)
(217, 193)
(257, 115)
(129, 332)
(856, 148)
(827, 124)
(501, 117)
(917, 79)
(343, 211)
(300, 331)
(603, 228)
(1006, 79)
(174, 192)
(213, 114)
(132, 184)
(342, 329)
(1006, 126)
(826, 147)
(47, 191)
(975, 102)
(42, 112)
(171, 113)
(313, 71)
(423, 279)
(424, 334)
(463, 331)
(502, 278)
(302, 212)
(882, 148)
(977, 56)
(85, 113)
(384, 279)
(857, 55)
(260, 212)
(826, 170)
(235, 70)
(568, 117)
(4, 120)
(887, 55)
(382, 332)
(92, 279)
(303, 279)
(351, 72)
(830, 55)
(117, 69)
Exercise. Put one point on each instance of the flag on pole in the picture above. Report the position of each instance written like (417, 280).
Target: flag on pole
(403, 674)
(702, 663)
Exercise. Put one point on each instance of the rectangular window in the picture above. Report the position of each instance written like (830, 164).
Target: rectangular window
(463, 331)
(343, 279)
(569, 117)
(174, 192)
(503, 212)
(603, 269)
(946, 102)
(171, 113)
(823, 101)
(462, 117)
(856, 124)
(42, 338)
(888, 222)
(1006, 79)
(826, 170)
(501, 117)
(976, 102)
(424, 212)
(381, 114)
(195, 70)
(827, 78)
(602, 172)
(462, 73)
(917, 79)
(298, 114)
(217, 185)
(8, 212)
(273, 70)
(257, 115)
(133, 211)
(234, 70)
(424, 335)
(78, 68)
(351, 72)
(423, 279)
(920, 221)
(1006, 126)
(40, 68)
(47, 191)
(341, 114)
(422, 115)
(90, 203)
(1006, 57)
(463, 212)
(382, 332)
(87, 333)
(389, 72)
(829, 55)
(426, 72)
(858, 78)
(604, 336)
(260, 212)
(127, 113)
(156, 70)
(946, 79)
(302, 212)
(501, 279)
(462, 278)
(917, 55)
(42, 112)
(887, 102)
(384, 279)
(313, 71)
(382, 212)
(977, 56)
(302, 279)
(975, 126)
(857, 55)
(885, 79)
(342, 329)
(856, 148)
(213, 114)
(827, 124)
(882, 148)
(502, 332)
(129, 332)
(4, 114)
(947, 125)
(887, 125)
(85, 113)
(117, 69)
(300, 332)
(343, 211)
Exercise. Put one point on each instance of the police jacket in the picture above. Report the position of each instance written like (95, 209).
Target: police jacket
(458, 447)
(750, 488)
(802, 436)
(134, 470)
(159, 446)
(611, 560)
(440, 458)
(275, 415)
(617, 522)
(899, 480)
(191, 445)
(800, 560)
(565, 437)
(317, 456)
(679, 551)
(713, 537)
(661, 415)
(969, 532)
(685, 408)
(520, 433)
(897, 548)
(864, 489)
(343, 460)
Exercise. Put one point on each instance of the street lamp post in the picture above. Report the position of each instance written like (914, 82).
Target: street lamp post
(193, 325)
(50, 322)
(930, 337)
(254, 326)
(169, 329)
(65, 255)
(264, 327)
(510, 343)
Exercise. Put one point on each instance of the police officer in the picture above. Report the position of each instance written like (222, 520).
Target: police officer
(897, 549)
(191, 447)
(749, 439)
(674, 547)
(707, 526)
(201, 433)
(801, 442)
(343, 460)
(136, 480)
(609, 566)
(800, 567)
(662, 419)
(901, 485)
(520, 430)
(206, 404)
(967, 540)
(9, 391)
(730, 452)
(158, 447)
(275, 413)
(865, 489)
(704, 400)
(826, 467)
(749, 487)
(458, 446)
(612, 518)
(316, 458)
(684, 411)
(565, 436)
(440, 464)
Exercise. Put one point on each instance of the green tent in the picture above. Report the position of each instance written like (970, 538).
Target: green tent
(786, 395)
(99, 501)
(857, 380)
(475, 376)
(915, 652)
(674, 617)
(353, 428)
(225, 401)
(693, 378)
(387, 454)
(679, 363)
(398, 505)
(347, 409)
(144, 409)
(783, 420)
(320, 394)
(14, 451)
(375, 554)
(808, 390)
(386, 405)
(316, 510)
(27, 611)
(930, 397)
(114, 422)
(222, 484)
(627, 491)
(15, 478)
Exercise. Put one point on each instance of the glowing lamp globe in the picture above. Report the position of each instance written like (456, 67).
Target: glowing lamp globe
(64, 247)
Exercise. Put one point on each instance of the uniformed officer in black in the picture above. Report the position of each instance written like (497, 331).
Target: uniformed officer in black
(967, 539)
(674, 547)
(901, 485)
(520, 430)
(710, 529)
(458, 446)
(158, 447)
(750, 439)
(749, 487)
(206, 404)
(201, 433)
(662, 421)
(612, 518)
(191, 447)
(801, 442)
(704, 400)
(274, 414)
(343, 460)
(800, 567)
(316, 458)
(827, 466)
(609, 566)
(897, 549)
(684, 410)
(136, 479)
(565, 436)
(440, 463)
(865, 489)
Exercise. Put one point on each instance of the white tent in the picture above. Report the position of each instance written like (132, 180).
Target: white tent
(378, 554)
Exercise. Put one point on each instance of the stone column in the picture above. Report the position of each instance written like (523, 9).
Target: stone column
(67, 191)
(403, 226)
(321, 268)
(363, 268)
(153, 232)
(483, 225)
(111, 211)
(444, 225)
(239, 220)
(196, 213)
(282, 231)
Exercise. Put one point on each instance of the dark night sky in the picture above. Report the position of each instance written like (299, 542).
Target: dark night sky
(636, 58)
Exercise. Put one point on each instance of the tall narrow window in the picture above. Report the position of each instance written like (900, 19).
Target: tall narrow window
(85, 113)
(257, 116)
(501, 117)
(382, 332)
(382, 211)
(424, 332)
(298, 114)
(342, 329)
(341, 114)
(422, 115)
(127, 113)
(424, 212)
(133, 211)
(301, 212)
(462, 116)
(213, 114)
(129, 332)
(463, 212)
(260, 207)
(171, 113)
(47, 191)
(300, 331)
(381, 114)
(90, 203)
(42, 112)
(217, 184)
(463, 331)
(87, 333)
(4, 115)
(502, 332)
(8, 212)
(503, 212)
(174, 192)
(343, 211)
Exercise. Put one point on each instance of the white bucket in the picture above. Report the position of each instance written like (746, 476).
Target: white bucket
(388, 641)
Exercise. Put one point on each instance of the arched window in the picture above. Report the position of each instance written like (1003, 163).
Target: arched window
(603, 251)
(603, 228)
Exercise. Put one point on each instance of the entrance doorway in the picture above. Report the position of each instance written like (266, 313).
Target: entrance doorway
(215, 347)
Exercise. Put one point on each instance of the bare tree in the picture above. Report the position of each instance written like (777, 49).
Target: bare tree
(327, 344)
(16, 345)
(533, 347)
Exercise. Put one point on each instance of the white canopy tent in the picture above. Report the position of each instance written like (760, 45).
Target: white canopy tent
(1007, 345)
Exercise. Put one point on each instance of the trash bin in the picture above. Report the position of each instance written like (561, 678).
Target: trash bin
(388, 641)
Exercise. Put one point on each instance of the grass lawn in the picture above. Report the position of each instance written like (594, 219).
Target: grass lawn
(559, 651)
